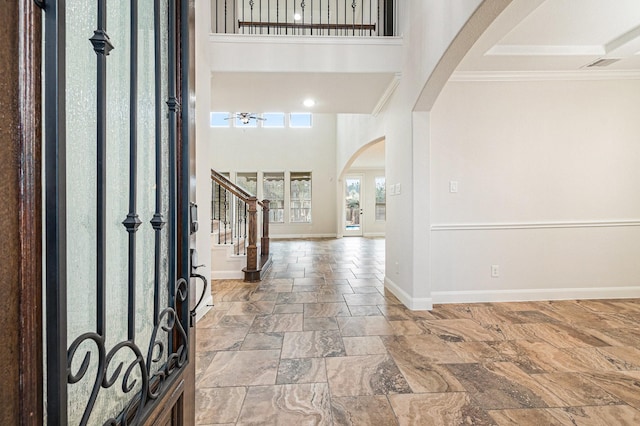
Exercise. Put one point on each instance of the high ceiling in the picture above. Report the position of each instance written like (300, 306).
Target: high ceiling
(560, 35)
(530, 36)
(277, 91)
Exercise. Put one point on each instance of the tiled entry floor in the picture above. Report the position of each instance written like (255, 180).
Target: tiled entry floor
(319, 342)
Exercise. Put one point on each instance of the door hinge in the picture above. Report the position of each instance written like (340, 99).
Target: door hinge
(39, 3)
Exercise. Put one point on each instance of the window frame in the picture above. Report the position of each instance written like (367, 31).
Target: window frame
(267, 195)
(228, 120)
(305, 202)
(376, 181)
(291, 120)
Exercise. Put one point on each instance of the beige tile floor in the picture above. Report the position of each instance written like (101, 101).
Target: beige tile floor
(320, 342)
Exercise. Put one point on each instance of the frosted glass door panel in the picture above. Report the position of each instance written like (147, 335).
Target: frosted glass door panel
(112, 364)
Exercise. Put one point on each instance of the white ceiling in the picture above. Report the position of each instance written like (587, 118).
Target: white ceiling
(529, 36)
(559, 35)
(276, 91)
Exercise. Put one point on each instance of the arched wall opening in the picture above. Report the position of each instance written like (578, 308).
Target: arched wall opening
(365, 171)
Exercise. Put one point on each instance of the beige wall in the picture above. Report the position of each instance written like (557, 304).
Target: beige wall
(548, 179)
(285, 150)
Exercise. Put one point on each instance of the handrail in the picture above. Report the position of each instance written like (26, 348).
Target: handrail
(230, 186)
(254, 269)
(234, 189)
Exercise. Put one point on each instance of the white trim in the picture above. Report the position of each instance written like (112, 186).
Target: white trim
(415, 304)
(204, 307)
(393, 84)
(528, 295)
(374, 234)
(581, 75)
(227, 275)
(296, 236)
(546, 50)
(319, 40)
(533, 225)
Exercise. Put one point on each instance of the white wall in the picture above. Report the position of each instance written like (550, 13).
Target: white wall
(285, 150)
(548, 184)
(203, 191)
(430, 27)
(284, 53)
(354, 132)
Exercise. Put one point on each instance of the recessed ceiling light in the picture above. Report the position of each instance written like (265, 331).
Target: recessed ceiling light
(309, 103)
(297, 17)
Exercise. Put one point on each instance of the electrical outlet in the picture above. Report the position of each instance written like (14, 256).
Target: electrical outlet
(397, 268)
(495, 271)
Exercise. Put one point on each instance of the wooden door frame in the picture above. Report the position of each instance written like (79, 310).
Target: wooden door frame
(21, 219)
(21, 260)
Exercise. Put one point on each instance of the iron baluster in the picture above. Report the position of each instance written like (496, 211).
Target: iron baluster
(245, 229)
(158, 221)
(251, 3)
(55, 207)
(353, 17)
(132, 221)
(102, 46)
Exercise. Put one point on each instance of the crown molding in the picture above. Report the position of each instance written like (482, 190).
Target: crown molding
(393, 84)
(545, 50)
(578, 75)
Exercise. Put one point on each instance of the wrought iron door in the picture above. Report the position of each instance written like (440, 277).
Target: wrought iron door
(116, 207)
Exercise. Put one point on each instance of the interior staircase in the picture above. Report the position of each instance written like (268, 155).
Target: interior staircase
(236, 250)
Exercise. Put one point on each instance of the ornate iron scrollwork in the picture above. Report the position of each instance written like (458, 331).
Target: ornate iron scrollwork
(152, 383)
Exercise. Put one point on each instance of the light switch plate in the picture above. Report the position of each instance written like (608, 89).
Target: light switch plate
(453, 186)
(398, 189)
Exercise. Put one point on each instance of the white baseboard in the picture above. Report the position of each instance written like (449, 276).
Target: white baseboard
(373, 234)
(227, 275)
(204, 307)
(415, 304)
(530, 295)
(294, 236)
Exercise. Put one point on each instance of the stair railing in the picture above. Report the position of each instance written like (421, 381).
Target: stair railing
(236, 213)
(355, 18)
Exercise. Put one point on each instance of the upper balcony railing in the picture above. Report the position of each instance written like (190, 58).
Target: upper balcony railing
(352, 18)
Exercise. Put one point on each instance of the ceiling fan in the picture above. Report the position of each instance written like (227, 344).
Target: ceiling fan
(245, 117)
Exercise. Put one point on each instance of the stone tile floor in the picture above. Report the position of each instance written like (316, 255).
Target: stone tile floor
(320, 342)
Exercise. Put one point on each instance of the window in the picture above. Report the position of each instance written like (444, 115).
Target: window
(381, 199)
(273, 120)
(273, 190)
(248, 182)
(219, 119)
(300, 119)
(300, 197)
(241, 121)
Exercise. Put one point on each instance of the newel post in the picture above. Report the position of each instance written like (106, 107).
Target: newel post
(252, 248)
(264, 242)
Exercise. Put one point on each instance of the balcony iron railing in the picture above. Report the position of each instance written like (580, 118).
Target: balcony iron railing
(304, 17)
